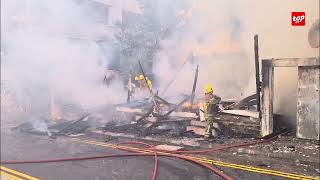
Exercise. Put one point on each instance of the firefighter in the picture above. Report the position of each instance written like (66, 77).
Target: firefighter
(210, 109)
(136, 80)
(143, 84)
(149, 82)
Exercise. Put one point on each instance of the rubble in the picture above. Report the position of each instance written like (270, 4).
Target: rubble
(46, 127)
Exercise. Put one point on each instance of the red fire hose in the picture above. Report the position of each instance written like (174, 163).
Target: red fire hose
(213, 169)
(155, 170)
(154, 176)
(156, 154)
(121, 155)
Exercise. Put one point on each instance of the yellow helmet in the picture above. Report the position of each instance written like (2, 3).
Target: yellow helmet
(136, 78)
(141, 77)
(208, 89)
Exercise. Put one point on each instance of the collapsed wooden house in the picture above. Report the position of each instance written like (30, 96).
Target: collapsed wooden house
(259, 118)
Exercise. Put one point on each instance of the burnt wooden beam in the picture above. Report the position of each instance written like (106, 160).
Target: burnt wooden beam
(178, 114)
(129, 110)
(194, 85)
(162, 100)
(146, 114)
(246, 113)
(258, 82)
(183, 114)
(176, 106)
(245, 101)
(69, 126)
(129, 88)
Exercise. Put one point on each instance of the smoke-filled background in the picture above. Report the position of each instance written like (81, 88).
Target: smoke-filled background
(44, 56)
(49, 54)
(220, 34)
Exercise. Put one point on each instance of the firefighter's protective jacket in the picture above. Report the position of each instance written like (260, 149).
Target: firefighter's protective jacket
(211, 105)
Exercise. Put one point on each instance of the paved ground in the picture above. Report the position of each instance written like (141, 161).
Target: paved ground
(17, 146)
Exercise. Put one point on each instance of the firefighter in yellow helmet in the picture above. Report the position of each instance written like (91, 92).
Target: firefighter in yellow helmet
(142, 82)
(210, 109)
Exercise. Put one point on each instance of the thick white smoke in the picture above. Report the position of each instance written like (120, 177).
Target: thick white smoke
(45, 48)
(220, 34)
(48, 49)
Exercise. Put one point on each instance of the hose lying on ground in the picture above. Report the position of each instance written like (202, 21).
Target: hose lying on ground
(155, 152)
(213, 169)
(216, 171)
(154, 176)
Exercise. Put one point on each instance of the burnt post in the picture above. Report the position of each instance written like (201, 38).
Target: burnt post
(258, 82)
(194, 85)
(130, 89)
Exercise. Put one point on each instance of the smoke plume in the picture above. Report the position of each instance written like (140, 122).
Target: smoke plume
(220, 35)
(49, 50)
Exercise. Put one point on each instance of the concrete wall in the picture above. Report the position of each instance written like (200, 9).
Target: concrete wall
(307, 95)
(308, 102)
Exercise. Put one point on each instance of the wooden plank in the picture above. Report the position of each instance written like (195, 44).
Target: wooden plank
(293, 62)
(241, 124)
(129, 110)
(230, 100)
(308, 103)
(246, 113)
(267, 99)
(175, 119)
(183, 114)
(137, 117)
(173, 114)
(236, 123)
(196, 130)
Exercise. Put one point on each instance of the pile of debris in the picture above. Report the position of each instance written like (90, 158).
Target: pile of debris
(43, 126)
(150, 115)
